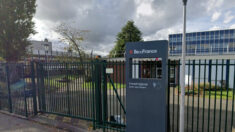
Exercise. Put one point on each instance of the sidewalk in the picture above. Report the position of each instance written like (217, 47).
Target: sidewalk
(14, 124)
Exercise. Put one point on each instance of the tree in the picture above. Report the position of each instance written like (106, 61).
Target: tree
(129, 33)
(16, 26)
(73, 37)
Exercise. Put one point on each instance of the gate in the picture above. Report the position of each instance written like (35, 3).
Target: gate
(114, 96)
(82, 90)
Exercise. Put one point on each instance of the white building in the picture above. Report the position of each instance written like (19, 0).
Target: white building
(40, 47)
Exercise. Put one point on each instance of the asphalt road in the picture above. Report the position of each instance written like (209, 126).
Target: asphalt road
(14, 124)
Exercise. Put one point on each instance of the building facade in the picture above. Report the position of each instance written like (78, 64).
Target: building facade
(219, 42)
(41, 47)
(208, 45)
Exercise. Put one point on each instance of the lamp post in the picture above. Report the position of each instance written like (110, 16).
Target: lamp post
(182, 76)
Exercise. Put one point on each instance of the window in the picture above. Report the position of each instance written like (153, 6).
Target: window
(194, 38)
(207, 36)
(170, 39)
(205, 46)
(198, 38)
(225, 45)
(172, 48)
(220, 45)
(146, 68)
(203, 37)
(178, 47)
(179, 39)
(212, 36)
(192, 47)
(221, 36)
(216, 36)
(231, 45)
(233, 35)
(216, 45)
(187, 38)
(226, 36)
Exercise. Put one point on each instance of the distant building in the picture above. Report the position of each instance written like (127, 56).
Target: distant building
(40, 47)
(208, 43)
(42, 50)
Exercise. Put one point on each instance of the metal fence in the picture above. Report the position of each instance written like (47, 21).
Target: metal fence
(96, 91)
(17, 94)
(83, 90)
(209, 95)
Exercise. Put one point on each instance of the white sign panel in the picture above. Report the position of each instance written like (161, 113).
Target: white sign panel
(109, 70)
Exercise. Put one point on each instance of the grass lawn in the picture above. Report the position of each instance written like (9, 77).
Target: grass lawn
(218, 94)
(109, 85)
(211, 93)
(54, 83)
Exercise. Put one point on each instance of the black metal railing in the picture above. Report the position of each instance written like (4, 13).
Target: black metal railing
(96, 91)
(209, 95)
(17, 90)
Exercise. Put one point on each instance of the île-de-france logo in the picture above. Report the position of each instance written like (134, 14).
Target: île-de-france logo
(131, 52)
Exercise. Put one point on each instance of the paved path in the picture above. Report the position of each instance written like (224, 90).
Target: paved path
(13, 124)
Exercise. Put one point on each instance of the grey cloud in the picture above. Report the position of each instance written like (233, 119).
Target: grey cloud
(168, 13)
(105, 18)
(59, 10)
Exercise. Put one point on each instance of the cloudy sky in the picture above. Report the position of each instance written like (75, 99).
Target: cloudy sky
(105, 18)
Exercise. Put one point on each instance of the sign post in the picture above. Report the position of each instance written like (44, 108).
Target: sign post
(146, 86)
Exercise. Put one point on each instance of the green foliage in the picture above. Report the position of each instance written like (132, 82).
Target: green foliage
(207, 86)
(73, 37)
(109, 85)
(1, 59)
(129, 33)
(203, 86)
(16, 26)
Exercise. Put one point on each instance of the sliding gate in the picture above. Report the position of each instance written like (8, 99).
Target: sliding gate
(82, 90)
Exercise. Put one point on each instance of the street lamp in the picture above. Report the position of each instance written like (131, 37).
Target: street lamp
(182, 76)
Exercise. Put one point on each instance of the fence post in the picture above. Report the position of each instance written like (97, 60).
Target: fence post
(25, 98)
(168, 97)
(9, 88)
(42, 86)
(104, 89)
(38, 86)
(67, 85)
(34, 88)
(93, 94)
(227, 89)
(98, 92)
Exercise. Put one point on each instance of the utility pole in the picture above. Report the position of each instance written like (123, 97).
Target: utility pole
(182, 76)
